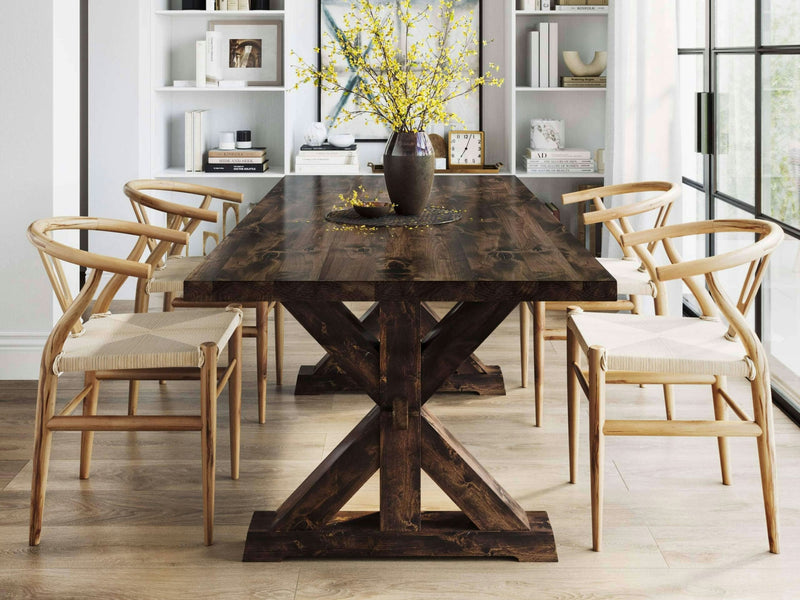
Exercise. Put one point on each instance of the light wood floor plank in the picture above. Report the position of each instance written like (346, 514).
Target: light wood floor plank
(134, 530)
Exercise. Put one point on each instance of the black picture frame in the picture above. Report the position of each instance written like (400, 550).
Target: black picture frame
(480, 64)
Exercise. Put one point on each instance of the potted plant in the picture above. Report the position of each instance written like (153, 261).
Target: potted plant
(409, 64)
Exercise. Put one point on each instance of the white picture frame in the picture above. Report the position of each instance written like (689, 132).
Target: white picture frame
(252, 51)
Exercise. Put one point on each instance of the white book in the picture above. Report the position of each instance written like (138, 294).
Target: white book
(199, 137)
(553, 67)
(327, 169)
(244, 4)
(222, 4)
(544, 51)
(327, 153)
(564, 8)
(200, 63)
(234, 160)
(546, 4)
(533, 58)
(188, 143)
(210, 4)
(300, 160)
(213, 57)
(566, 153)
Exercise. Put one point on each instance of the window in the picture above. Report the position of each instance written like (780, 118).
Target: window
(746, 55)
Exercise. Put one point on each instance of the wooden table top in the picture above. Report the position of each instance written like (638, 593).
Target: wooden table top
(507, 245)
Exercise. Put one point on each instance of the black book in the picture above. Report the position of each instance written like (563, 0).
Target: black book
(328, 147)
(237, 168)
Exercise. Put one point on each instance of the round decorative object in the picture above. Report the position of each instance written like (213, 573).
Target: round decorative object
(315, 134)
(580, 69)
(408, 167)
(429, 216)
(373, 210)
(341, 140)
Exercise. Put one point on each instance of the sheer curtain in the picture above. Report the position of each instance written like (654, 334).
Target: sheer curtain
(643, 129)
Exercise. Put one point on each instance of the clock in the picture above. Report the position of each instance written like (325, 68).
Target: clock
(465, 149)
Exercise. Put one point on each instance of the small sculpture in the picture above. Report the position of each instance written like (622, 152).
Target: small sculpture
(580, 69)
(315, 134)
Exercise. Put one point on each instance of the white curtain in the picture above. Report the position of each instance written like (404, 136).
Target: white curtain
(642, 115)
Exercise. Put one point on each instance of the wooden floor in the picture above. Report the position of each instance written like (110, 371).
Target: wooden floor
(134, 530)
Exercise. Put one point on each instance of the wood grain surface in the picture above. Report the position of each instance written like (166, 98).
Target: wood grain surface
(506, 246)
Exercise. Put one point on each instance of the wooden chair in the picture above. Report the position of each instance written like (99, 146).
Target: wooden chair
(632, 280)
(128, 347)
(636, 349)
(172, 267)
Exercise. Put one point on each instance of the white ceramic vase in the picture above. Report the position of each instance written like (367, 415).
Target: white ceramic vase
(315, 134)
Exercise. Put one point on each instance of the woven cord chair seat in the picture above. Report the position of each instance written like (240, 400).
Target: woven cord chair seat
(660, 344)
(170, 278)
(630, 280)
(147, 340)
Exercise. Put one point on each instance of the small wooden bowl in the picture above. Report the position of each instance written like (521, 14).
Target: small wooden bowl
(373, 210)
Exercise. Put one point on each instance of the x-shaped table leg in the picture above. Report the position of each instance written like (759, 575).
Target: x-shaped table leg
(399, 436)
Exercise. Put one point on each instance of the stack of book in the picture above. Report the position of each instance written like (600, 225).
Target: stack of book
(543, 60)
(558, 161)
(241, 160)
(327, 160)
(583, 82)
(582, 5)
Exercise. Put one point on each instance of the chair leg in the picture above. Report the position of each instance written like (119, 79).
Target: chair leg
(208, 435)
(669, 401)
(573, 407)
(167, 307)
(45, 408)
(597, 417)
(762, 412)
(235, 398)
(262, 354)
(87, 437)
(538, 360)
(278, 313)
(720, 414)
(141, 305)
(524, 332)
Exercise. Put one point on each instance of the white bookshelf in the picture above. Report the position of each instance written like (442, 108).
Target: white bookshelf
(261, 109)
(582, 109)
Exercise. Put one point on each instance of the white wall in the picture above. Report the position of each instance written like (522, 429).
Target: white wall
(31, 101)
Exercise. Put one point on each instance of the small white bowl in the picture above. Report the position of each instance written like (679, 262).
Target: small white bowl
(341, 140)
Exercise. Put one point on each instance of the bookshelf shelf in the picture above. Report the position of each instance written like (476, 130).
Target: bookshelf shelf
(220, 14)
(560, 89)
(202, 90)
(179, 173)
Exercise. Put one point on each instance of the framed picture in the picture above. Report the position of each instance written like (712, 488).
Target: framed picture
(364, 129)
(249, 51)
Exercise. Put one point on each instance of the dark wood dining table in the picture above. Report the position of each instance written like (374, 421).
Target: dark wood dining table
(505, 248)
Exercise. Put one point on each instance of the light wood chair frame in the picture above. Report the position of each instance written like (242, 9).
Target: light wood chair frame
(712, 300)
(617, 221)
(188, 219)
(212, 378)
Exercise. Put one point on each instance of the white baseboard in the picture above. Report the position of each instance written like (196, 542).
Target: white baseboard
(21, 353)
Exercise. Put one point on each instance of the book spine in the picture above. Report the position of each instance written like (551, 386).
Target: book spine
(546, 4)
(212, 168)
(199, 142)
(553, 67)
(188, 143)
(244, 4)
(326, 169)
(544, 49)
(213, 57)
(200, 63)
(236, 160)
(222, 4)
(533, 60)
(236, 154)
(325, 154)
(211, 5)
(558, 154)
(577, 162)
(595, 8)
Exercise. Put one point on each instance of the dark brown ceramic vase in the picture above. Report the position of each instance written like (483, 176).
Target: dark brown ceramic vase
(408, 166)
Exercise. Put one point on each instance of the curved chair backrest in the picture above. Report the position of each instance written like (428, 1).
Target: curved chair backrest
(617, 218)
(178, 216)
(40, 233)
(756, 255)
